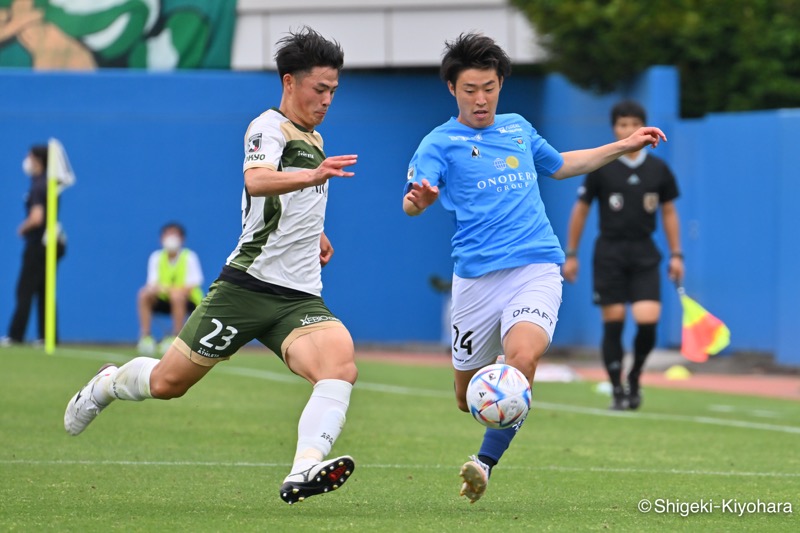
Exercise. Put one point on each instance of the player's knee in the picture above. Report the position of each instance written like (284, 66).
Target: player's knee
(524, 362)
(316, 370)
(348, 372)
(145, 295)
(177, 296)
(165, 389)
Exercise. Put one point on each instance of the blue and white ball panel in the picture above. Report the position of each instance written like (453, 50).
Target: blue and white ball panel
(499, 396)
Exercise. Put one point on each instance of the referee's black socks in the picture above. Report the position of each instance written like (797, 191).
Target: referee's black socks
(612, 352)
(643, 344)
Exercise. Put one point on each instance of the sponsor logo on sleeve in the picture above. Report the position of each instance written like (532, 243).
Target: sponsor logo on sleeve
(254, 157)
(410, 173)
(254, 143)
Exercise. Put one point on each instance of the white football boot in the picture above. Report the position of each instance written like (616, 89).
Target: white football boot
(82, 408)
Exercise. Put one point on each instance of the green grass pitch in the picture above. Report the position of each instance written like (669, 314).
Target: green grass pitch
(214, 459)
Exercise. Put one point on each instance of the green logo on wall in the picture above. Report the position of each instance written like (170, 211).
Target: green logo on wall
(87, 34)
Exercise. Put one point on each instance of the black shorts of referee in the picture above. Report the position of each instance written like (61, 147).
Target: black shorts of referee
(626, 270)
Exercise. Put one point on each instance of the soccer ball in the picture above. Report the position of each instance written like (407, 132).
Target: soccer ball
(499, 396)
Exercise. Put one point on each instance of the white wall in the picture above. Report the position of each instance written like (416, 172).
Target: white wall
(380, 33)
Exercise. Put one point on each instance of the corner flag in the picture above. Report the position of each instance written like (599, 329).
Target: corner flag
(703, 333)
(59, 177)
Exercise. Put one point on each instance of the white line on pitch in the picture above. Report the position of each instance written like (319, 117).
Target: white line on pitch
(409, 391)
(551, 468)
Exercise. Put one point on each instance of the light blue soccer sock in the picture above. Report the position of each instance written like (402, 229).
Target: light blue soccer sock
(496, 442)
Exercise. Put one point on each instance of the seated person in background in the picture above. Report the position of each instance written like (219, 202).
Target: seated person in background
(174, 277)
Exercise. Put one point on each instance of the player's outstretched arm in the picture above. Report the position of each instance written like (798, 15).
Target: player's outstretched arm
(420, 197)
(267, 182)
(584, 161)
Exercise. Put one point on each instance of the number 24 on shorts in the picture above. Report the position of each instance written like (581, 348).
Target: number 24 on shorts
(462, 341)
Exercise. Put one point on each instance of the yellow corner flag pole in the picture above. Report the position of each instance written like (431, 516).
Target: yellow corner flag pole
(59, 176)
(50, 251)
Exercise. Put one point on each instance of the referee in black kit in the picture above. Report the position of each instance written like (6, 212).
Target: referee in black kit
(629, 191)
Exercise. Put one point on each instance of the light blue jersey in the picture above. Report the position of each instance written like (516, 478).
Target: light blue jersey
(488, 179)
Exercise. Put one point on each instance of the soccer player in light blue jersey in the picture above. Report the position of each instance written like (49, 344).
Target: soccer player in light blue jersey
(506, 281)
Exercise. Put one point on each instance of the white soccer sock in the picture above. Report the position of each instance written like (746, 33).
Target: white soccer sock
(321, 422)
(100, 391)
(130, 382)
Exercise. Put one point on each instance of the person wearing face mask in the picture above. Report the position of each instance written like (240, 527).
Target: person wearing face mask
(31, 281)
(174, 277)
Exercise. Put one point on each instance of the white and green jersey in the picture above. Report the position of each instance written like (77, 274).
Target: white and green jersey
(280, 237)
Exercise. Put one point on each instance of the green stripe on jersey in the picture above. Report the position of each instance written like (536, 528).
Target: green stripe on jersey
(252, 249)
(301, 154)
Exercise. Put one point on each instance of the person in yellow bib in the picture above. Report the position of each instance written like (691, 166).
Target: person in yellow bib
(174, 279)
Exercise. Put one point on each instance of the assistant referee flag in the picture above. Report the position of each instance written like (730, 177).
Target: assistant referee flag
(703, 333)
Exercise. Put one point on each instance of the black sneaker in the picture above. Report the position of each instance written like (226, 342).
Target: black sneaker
(634, 401)
(619, 400)
(319, 479)
(634, 394)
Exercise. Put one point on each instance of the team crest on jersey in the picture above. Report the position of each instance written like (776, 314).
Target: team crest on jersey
(520, 142)
(650, 202)
(615, 201)
(475, 152)
(254, 143)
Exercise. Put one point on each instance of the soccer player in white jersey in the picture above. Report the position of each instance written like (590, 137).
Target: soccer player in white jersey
(484, 168)
(270, 286)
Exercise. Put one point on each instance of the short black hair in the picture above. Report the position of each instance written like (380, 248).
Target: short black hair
(305, 49)
(473, 50)
(39, 151)
(628, 108)
(175, 226)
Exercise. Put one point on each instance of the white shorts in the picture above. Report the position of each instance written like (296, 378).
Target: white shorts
(485, 308)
